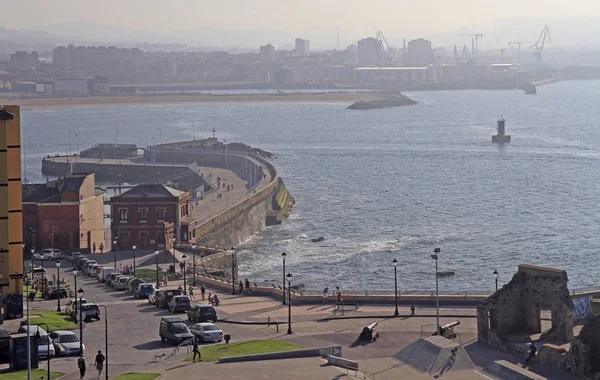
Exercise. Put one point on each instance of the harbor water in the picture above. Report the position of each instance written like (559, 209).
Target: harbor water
(394, 183)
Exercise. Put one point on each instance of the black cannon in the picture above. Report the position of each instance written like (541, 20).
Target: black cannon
(368, 334)
(447, 331)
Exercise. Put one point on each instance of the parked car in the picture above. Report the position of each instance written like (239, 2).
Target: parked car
(121, 283)
(65, 343)
(133, 283)
(162, 300)
(82, 263)
(116, 280)
(179, 304)
(44, 349)
(88, 266)
(71, 306)
(152, 296)
(75, 255)
(105, 273)
(144, 290)
(174, 330)
(56, 291)
(202, 313)
(112, 277)
(89, 311)
(206, 332)
(92, 270)
(47, 254)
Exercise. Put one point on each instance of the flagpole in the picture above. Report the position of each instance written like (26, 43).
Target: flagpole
(116, 133)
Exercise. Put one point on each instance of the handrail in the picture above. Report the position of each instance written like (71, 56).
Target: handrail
(185, 343)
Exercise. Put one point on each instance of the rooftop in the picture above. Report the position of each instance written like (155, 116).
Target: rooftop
(151, 191)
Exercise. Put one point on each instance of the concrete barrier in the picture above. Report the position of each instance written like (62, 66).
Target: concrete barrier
(294, 354)
(342, 363)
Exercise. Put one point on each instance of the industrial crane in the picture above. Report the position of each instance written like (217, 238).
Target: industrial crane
(539, 45)
(475, 44)
(518, 43)
(465, 54)
(383, 49)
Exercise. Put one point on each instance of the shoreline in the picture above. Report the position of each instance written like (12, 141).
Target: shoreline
(328, 97)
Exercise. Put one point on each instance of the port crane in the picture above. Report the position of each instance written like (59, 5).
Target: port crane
(475, 45)
(383, 50)
(518, 43)
(466, 56)
(539, 45)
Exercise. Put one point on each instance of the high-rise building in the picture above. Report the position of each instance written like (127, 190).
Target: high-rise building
(11, 216)
(302, 46)
(370, 52)
(419, 53)
(267, 53)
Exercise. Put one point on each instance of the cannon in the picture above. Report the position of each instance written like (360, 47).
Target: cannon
(368, 333)
(447, 330)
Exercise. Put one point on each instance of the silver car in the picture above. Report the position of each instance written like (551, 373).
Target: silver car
(121, 283)
(66, 343)
(45, 346)
(207, 332)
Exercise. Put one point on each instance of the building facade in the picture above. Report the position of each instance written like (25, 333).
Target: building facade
(302, 46)
(370, 51)
(67, 214)
(419, 53)
(11, 233)
(139, 217)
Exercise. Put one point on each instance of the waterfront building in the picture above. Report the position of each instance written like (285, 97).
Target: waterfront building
(397, 75)
(302, 46)
(419, 53)
(11, 215)
(267, 53)
(67, 214)
(370, 52)
(139, 216)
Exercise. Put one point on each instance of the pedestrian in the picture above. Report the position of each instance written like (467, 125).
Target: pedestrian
(339, 294)
(241, 287)
(99, 362)
(94, 247)
(532, 351)
(165, 280)
(101, 247)
(247, 284)
(325, 295)
(191, 292)
(203, 291)
(121, 267)
(180, 288)
(210, 300)
(196, 351)
(81, 364)
(412, 309)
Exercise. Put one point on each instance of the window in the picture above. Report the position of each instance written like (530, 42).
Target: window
(160, 213)
(123, 214)
(143, 214)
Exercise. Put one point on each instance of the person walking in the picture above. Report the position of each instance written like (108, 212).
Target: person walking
(191, 292)
(81, 365)
(203, 292)
(532, 352)
(165, 280)
(94, 247)
(101, 247)
(325, 295)
(196, 351)
(241, 284)
(339, 294)
(99, 362)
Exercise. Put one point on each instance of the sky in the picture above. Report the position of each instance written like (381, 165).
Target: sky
(360, 16)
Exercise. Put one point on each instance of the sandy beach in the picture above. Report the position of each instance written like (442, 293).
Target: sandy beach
(332, 97)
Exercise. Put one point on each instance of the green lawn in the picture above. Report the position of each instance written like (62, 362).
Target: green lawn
(25, 292)
(213, 353)
(55, 320)
(137, 376)
(150, 275)
(35, 374)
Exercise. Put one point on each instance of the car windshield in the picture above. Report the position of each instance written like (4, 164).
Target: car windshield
(210, 328)
(89, 307)
(182, 300)
(206, 309)
(69, 338)
(146, 287)
(179, 328)
(123, 279)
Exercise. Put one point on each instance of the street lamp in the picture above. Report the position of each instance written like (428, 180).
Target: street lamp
(80, 292)
(134, 247)
(38, 336)
(58, 284)
(105, 340)
(75, 277)
(156, 256)
(184, 279)
(114, 248)
(395, 264)
(194, 263)
(32, 250)
(289, 278)
(284, 255)
(496, 275)
(44, 283)
(174, 263)
(233, 270)
(437, 295)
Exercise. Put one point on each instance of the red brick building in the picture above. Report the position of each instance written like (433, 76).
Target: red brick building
(67, 214)
(139, 216)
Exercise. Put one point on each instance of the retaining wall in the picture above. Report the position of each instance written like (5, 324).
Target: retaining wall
(294, 354)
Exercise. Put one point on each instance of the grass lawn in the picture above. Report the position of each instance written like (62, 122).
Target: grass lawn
(213, 353)
(35, 374)
(55, 320)
(25, 292)
(150, 275)
(137, 376)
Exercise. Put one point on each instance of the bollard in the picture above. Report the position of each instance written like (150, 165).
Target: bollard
(227, 338)
(268, 321)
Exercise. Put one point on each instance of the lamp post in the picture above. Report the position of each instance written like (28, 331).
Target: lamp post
(496, 275)
(32, 250)
(114, 248)
(75, 277)
(437, 296)
(395, 264)
(80, 292)
(28, 340)
(284, 255)
(156, 257)
(58, 285)
(174, 263)
(44, 283)
(233, 270)
(194, 263)
(289, 278)
(47, 343)
(134, 247)
(105, 340)
(184, 279)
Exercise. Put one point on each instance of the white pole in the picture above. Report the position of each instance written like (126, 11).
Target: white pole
(28, 336)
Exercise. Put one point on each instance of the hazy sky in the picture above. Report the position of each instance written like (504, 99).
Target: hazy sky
(407, 16)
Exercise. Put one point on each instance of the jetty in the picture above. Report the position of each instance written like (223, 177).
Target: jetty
(386, 102)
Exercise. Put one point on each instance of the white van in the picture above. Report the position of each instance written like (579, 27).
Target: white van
(105, 273)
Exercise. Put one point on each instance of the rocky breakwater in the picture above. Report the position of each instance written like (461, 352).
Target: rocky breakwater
(385, 102)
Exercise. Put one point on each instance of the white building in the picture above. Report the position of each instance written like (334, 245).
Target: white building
(302, 46)
(267, 53)
(370, 52)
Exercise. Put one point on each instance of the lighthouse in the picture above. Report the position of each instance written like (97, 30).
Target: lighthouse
(501, 137)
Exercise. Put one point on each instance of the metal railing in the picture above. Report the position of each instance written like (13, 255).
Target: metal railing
(187, 344)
